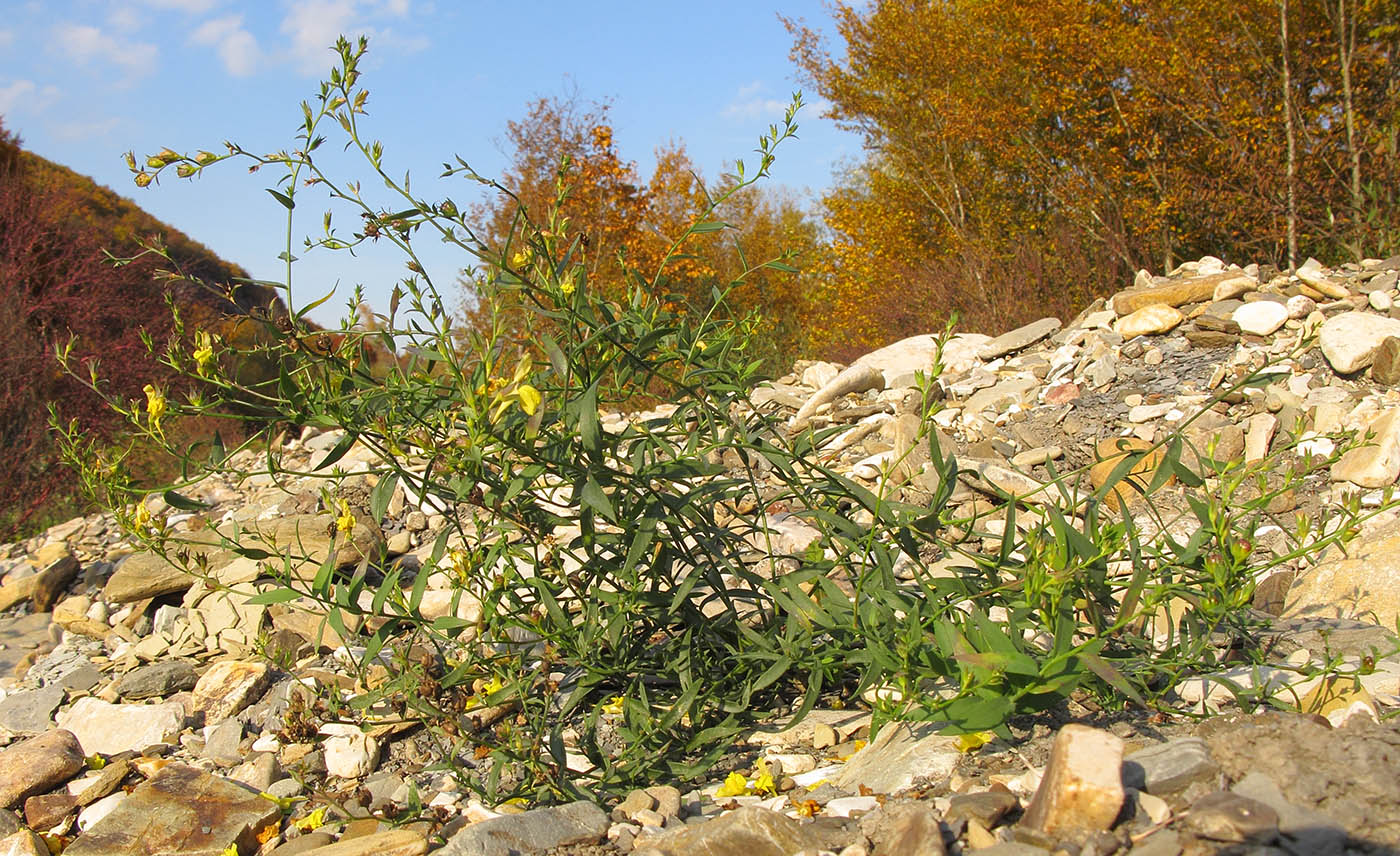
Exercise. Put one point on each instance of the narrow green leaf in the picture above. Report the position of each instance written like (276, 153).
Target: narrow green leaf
(277, 595)
(184, 503)
(337, 452)
(283, 198)
(381, 495)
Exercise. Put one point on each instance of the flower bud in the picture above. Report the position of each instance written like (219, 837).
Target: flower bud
(142, 179)
(204, 158)
(184, 170)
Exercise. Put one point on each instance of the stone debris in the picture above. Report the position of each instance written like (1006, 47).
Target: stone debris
(148, 711)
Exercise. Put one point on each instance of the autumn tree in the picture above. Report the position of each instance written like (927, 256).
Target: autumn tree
(1022, 156)
(627, 230)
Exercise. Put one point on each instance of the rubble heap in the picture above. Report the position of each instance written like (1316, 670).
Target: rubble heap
(147, 711)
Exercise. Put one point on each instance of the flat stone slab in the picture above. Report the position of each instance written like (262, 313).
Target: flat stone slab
(38, 765)
(536, 830)
(111, 728)
(898, 755)
(31, 711)
(181, 810)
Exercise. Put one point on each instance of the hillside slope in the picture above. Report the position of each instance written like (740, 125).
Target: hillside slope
(57, 284)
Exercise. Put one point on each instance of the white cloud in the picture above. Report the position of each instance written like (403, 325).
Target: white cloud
(313, 26)
(193, 7)
(86, 43)
(237, 47)
(86, 129)
(749, 103)
(13, 94)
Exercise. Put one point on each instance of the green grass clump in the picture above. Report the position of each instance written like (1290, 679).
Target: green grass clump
(619, 588)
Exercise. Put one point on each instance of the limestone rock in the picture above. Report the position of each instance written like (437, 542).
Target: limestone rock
(1365, 583)
(229, 686)
(1082, 788)
(183, 810)
(144, 575)
(349, 751)
(1375, 463)
(533, 831)
(1018, 339)
(1261, 317)
(1349, 341)
(38, 764)
(111, 728)
(1149, 321)
(1177, 293)
(390, 842)
(751, 830)
(899, 754)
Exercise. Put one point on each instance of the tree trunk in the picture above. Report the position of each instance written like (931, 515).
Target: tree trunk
(1346, 53)
(1292, 141)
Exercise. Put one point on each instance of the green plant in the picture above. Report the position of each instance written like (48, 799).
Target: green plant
(618, 603)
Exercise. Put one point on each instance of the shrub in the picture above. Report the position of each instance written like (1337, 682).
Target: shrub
(620, 600)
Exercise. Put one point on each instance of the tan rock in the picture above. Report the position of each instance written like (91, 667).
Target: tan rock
(1364, 584)
(1111, 451)
(1259, 432)
(1179, 292)
(1149, 321)
(144, 575)
(1350, 340)
(1082, 789)
(391, 842)
(184, 810)
(23, 842)
(38, 764)
(230, 686)
(1376, 463)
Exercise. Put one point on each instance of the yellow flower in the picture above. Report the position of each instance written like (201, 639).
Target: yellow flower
(614, 706)
(567, 285)
(141, 518)
(345, 523)
(312, 821)
(972, 742)
(155, 405)
(529, 398)
(764, 784)
(735, 785)
(520, 259)
(203, 352)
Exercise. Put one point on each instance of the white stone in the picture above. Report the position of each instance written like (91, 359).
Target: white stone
(1261, 317)
(1349, 341)
(350, 753)
(1376, 463)
(101, 808)
(1300, 306)
(820, 374)
(1149, 321)
(1380, 301)
(111, 728)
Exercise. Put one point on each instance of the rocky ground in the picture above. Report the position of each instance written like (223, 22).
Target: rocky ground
(147, 712)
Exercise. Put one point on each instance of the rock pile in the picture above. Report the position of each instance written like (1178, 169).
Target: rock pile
(150, 712)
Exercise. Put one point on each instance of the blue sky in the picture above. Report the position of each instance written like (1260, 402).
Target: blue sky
(83, 82)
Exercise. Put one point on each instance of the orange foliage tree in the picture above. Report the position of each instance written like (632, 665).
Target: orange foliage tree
(627, 229)
(1024, 155)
